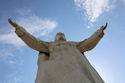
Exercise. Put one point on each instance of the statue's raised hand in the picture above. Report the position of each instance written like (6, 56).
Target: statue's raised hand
(101, 30)
(104, 27)
(12, 23)
(19, 30)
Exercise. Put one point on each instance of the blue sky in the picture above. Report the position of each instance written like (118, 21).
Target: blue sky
(78, 19)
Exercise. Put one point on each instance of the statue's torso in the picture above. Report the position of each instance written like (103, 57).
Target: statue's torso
(67, 65)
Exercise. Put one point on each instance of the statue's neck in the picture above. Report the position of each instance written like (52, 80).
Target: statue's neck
(60, 40)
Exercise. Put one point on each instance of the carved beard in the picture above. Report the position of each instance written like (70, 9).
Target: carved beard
(60, 37)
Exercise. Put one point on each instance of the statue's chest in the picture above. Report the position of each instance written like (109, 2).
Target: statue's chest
(61, 46)
(63, 51)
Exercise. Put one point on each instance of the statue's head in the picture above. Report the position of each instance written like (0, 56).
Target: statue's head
(60, 37)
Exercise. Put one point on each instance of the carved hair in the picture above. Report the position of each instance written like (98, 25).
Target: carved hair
(60, 37)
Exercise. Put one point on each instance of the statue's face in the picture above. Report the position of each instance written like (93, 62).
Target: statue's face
(60, 37)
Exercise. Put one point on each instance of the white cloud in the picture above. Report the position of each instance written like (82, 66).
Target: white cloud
(14, 78)
(12, 62)
(33, 24)
(37, 26)
(11, 38)
(93, 8)
(8, 55)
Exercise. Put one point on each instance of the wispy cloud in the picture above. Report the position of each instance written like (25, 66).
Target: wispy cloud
(9, 56)
(33, 24)
(92, 9)
(14, 78)
(11, 38)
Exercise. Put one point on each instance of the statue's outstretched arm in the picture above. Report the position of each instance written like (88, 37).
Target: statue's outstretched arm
(92, 41)
(30, 40)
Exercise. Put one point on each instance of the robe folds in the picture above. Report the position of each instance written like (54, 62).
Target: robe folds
(65, 62)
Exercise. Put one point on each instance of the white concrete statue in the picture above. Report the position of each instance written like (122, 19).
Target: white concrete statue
(62, 61)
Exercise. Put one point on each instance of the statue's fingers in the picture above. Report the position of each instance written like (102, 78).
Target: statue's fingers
(105, 26)
(12, 23)
(9, 20)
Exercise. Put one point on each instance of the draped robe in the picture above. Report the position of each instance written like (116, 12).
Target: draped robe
(63, 61)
